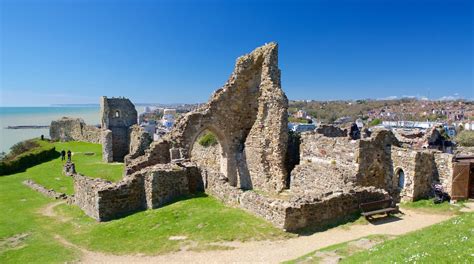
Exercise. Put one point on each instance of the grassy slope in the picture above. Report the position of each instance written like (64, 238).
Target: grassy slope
(202, 219)
(449, 242)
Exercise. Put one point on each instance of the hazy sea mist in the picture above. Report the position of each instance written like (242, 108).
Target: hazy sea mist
(23, 116)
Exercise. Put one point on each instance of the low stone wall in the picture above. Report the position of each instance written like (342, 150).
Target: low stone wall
(309, 211)
(336, 207)
(165, 183)
(148, 188)
(73, 129)
(86, 194)
(48, 192)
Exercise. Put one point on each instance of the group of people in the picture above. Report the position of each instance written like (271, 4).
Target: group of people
(63, 155)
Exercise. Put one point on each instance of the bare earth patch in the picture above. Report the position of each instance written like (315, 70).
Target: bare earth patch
(13, 242)
(48, 211)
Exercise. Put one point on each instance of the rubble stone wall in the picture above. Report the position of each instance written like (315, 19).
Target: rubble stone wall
(86, 194)
(73, 129)
(316, 146)
(336, 207)
(148, 188)
(249, 117)
(167, 182)
(118, 115)
(107, 149)
(443, 170)
(140, 141)
(375, 165)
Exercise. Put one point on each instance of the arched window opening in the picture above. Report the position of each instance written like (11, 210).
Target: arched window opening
(401, 178)
(117, 113)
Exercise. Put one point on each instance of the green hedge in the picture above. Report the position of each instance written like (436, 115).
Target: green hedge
(28, 159)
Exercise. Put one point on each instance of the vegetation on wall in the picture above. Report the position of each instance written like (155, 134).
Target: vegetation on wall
(298, 120)
(375, 122)
(207, 139)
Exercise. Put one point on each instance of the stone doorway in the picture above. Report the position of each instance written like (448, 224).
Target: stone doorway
(207, 152)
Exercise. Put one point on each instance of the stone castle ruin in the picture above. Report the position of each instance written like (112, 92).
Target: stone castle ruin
(118, 133)
(247, 166)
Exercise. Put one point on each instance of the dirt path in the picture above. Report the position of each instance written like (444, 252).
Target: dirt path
(48, 210)
(275, 251)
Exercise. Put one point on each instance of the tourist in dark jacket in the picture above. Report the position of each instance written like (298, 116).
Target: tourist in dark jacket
(63, 154)
(69, 155)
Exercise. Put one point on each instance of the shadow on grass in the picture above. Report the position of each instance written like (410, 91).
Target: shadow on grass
(121, 215)
(27, 161)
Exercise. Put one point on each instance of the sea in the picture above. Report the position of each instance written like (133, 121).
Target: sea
(38, 116)
(41, 116)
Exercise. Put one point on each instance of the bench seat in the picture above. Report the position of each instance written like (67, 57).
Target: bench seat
(380, 211)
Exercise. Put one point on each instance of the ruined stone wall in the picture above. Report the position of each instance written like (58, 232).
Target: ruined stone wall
(315, 147)
(331, 131)
(208, 159)
(374, 158)
(118, 115)
(249, 117)
(107, 149)
(167, 182)
(322, 176)
(311, 211)
(444, 170)
(140, 141)
(73, 129)
(86, 194)
(403, 159)
(148, 188)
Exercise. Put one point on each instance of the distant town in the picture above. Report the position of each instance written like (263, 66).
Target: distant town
(306, 115)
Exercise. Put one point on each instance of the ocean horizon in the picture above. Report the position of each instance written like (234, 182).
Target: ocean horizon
(38, 116)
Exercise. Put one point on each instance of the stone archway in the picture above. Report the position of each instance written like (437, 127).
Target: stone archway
(210, 153)
(248, 115)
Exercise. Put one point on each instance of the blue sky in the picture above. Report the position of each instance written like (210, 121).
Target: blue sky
(181, 51)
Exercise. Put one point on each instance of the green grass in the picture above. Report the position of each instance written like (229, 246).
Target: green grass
(202, 219)
(429, 207)
(449, 242)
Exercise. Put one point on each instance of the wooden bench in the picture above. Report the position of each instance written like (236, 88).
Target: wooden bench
(378, 207)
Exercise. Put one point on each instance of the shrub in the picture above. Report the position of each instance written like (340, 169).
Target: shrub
(24, 155)
(22, 147)
(465, 138)
(208, 139)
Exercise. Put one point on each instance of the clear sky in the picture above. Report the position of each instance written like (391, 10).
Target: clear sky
(181, 51)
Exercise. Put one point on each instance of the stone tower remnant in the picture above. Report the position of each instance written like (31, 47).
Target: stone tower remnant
(117, 115)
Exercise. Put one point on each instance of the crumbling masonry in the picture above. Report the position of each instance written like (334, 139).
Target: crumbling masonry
(246, 167)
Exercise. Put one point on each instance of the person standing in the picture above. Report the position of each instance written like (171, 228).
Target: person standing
(69, 155)
(63, 154)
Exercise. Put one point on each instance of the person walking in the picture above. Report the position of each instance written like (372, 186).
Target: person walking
(63, 154)
(69, 156)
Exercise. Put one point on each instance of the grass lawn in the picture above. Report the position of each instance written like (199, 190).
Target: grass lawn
(26, 235)
(428, 206)
(449, 242)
